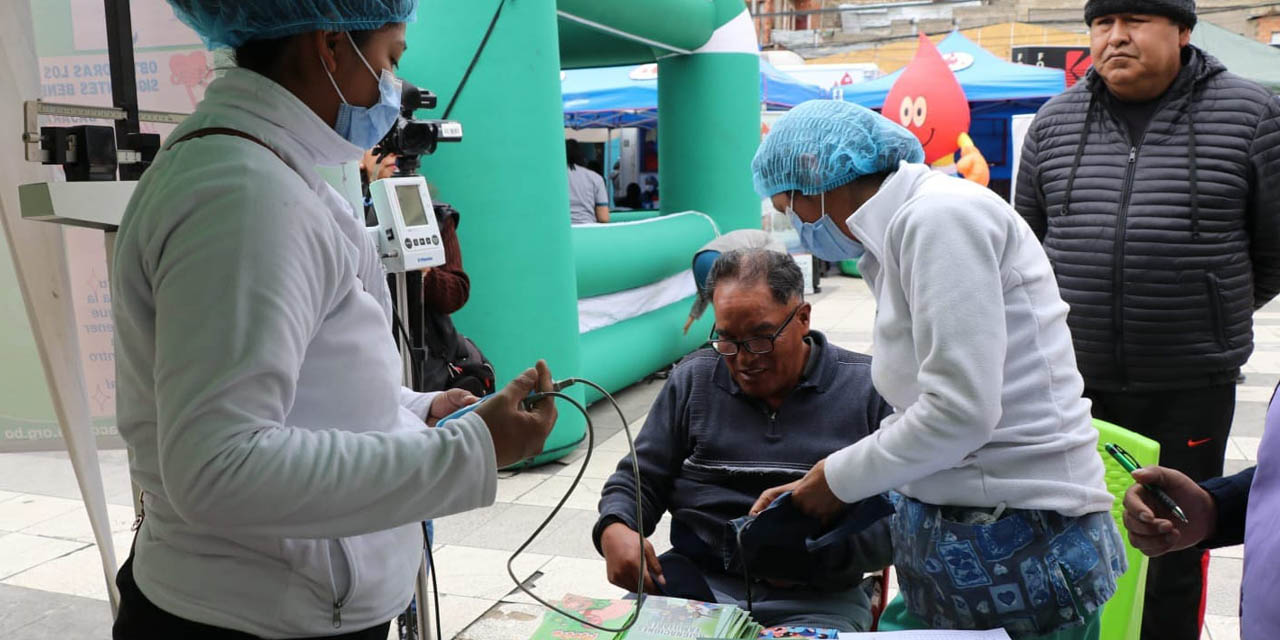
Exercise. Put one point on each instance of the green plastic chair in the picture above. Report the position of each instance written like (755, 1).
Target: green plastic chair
(850, 268)
(1122, 615)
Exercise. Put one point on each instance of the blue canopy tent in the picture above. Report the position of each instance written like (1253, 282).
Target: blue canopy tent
(615, 97)
(996, 89)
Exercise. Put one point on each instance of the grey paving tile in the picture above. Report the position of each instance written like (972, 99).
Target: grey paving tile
(481, 573)
(569, 535)
(51, 474)
(28, 510)
(1230, 467)
(1249, 419)
(20, 552)
(1248, 446)
(1221, 627)
(505, 621)
(459, 612)
(506, 531)
(562, 576)
(1223, 597)
(460, 528)
(28, 614)
(634, 400)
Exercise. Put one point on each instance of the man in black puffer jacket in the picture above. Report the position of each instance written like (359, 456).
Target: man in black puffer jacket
(1155, 187)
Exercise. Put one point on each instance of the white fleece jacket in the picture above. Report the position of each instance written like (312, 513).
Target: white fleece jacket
(284, 468)
(973, 352)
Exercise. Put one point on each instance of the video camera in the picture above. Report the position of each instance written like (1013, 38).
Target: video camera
(411, 138)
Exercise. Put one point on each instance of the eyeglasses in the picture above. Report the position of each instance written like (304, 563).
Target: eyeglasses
(759, 345)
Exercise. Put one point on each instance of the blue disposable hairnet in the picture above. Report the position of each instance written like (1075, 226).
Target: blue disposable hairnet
(822, 144)
(231, 23)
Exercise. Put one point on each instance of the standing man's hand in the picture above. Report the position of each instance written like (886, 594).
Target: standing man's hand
(447, 402)
(519, 433)
(810, 494)
(1152, 529)
(621, 547)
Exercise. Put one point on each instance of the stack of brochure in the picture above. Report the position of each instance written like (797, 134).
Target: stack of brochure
(660, 619)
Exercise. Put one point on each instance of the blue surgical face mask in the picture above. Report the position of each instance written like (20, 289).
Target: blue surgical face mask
(824, 238)
(365, 126)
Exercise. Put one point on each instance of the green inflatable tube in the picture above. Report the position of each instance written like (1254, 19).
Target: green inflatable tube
(616, 257)
(517, 247)
(621, 354)
(849, 268)
(633, 215)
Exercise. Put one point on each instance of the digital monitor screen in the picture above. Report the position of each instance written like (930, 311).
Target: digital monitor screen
(411, 205)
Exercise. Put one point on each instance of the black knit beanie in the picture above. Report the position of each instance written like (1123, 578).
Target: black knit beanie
(1180, 11)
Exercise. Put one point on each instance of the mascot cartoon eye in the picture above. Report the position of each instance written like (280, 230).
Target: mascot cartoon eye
(906, 110)
(920, 112)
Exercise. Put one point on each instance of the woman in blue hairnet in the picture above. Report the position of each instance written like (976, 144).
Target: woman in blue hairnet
(284, 470)
(1003, 515)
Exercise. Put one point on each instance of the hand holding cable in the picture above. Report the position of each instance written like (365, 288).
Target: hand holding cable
(519, 427)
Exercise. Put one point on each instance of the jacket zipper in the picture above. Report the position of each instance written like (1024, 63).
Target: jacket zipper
(1217, 315)
(340, 601)
(773, 426)
(1117, 275)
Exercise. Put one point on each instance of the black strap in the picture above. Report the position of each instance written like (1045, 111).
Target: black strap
(474, 59)
(223, 131)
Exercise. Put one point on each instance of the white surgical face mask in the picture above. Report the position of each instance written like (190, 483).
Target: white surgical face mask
(824, 238)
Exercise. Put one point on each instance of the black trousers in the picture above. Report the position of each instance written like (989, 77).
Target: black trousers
(139, 619)
(1191, 426)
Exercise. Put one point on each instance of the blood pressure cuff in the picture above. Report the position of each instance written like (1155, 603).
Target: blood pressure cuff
(783, 544)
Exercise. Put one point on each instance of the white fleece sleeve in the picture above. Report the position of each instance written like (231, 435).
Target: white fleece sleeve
(949, 254)
(418, 403)
(240, 285)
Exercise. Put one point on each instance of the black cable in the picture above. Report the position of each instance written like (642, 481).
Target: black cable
(635, 467)
(475, 58)
(746, 572)
(416, 354)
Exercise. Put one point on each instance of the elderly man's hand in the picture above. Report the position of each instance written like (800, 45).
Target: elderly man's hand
(811, 495)
(1156, 535)
(620, 545)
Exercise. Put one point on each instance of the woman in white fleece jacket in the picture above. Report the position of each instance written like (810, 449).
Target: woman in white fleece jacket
(1002, 519)
(284, 470)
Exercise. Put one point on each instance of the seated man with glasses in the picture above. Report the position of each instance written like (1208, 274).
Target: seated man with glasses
(769, 400)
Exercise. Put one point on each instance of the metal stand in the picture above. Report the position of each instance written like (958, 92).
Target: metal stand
(420, 585)
(424, 609)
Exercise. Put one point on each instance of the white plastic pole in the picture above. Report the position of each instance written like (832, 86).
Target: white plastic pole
(39, 257)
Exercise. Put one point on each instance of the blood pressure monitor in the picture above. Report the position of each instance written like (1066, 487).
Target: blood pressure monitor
(408, 235)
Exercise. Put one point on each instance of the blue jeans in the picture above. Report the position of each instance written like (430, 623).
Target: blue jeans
(1031, 572)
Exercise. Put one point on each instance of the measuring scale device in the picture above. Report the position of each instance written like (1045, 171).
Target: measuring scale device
(407, 233)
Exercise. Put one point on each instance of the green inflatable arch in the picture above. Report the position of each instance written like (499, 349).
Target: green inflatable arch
(508, 176)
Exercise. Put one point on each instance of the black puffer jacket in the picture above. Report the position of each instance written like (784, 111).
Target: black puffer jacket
(1164, 249)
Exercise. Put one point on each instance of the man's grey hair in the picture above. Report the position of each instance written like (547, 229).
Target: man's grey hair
(776, 270)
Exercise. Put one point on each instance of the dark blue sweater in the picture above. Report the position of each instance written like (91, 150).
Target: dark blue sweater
(708, 450)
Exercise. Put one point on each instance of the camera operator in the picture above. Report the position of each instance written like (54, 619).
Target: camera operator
(443, 358)
(284, 469)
